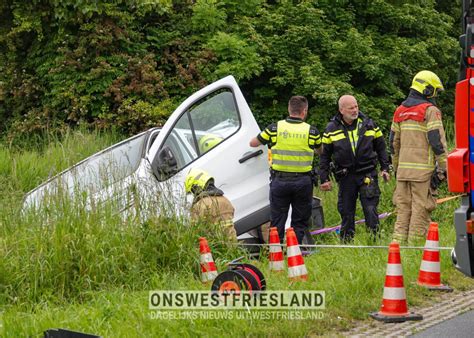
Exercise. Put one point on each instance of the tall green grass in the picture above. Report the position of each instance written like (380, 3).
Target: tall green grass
(91, 271)
(82, 252)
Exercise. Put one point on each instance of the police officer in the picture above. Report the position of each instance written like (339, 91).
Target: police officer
(209, 202)
(418, 147)
(354, 144)
(293, 143)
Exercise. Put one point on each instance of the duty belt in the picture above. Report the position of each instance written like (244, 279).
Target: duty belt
(288, 174)
(352, 170)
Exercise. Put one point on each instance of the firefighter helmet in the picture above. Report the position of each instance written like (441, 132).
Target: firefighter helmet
(427, 83)
(208, 142)
(197, 180)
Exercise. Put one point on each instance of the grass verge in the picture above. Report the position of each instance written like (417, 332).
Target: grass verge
(91, 272)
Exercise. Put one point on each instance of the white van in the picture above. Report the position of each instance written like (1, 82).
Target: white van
(158, 160)
(155, 163)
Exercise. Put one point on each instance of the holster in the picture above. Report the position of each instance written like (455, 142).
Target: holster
(370, 190)
(338, 172)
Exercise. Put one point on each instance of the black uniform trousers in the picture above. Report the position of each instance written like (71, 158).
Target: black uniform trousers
(296, 191)
(351, 186)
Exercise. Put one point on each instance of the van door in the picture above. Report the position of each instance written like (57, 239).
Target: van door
(211, 130)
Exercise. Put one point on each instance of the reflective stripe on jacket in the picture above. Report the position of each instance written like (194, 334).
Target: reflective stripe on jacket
(338, 142)
(292, 144)
(292, 153)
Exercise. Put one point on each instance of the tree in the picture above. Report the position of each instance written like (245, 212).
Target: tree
(127, 63)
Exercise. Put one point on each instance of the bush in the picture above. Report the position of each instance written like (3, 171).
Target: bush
(102, 63)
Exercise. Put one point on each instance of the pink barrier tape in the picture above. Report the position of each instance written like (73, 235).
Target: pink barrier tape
(338, 227)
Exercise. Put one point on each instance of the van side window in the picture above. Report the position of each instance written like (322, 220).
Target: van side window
(201, 128)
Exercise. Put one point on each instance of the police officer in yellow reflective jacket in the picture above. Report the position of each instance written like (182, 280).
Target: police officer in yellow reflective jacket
(293, 143)
(418, 147)
(354, 144)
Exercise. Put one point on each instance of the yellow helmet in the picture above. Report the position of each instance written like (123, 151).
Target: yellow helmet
(197, 180)
(427, 83)
(208, 142)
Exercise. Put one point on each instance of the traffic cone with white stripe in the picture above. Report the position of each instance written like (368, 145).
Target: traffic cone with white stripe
(276, 254)
(296, 268)
(430, 274)
(208, 268)
(394, 304)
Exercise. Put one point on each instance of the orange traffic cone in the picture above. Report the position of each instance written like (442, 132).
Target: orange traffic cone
(296, 268)
(430, 275)
(276, 254)
(394, 305)
(208, 268)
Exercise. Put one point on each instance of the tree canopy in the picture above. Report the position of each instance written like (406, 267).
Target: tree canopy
(128, 63)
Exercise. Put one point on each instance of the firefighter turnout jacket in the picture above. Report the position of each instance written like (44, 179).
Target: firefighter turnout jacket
(355, 148)
(292, 143)
(417, 139)
(213, 207)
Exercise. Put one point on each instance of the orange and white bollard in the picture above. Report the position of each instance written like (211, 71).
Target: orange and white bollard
(208, 268)
(276, 253)
(394, 304)
(430, 269)
(296, 267)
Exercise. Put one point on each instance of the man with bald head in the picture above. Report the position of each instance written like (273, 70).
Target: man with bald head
(352, 146)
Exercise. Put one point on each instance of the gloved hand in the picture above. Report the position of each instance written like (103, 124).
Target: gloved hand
(438, 177)
(392, 171)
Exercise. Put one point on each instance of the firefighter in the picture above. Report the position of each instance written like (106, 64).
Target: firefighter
(209, 202)
(418, 147)
(293, 143)
(353, 143)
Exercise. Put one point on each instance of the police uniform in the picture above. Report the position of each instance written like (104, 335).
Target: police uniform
(292, 143)
(354, 150)
(417, 144)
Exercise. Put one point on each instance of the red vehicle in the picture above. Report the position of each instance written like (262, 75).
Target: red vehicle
(461, 160)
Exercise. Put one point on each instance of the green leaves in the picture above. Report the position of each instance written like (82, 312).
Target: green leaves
(208, 16)
(235, 57)
(74, 61)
